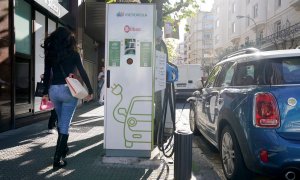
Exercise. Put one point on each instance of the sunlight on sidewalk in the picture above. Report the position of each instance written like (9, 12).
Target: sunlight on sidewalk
(99, 111)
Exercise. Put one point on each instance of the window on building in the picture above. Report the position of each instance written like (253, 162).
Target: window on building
(277, 26)
(261, 34)
(233, 7)
(217, 38)
(255, 10)
(278, 3)
(208, 26)
(247, 40)
(248, 21)
(233, 27)
(217, 23)
(287, 23)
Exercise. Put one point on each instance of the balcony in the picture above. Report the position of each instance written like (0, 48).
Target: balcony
(295, 4)
(289, 33)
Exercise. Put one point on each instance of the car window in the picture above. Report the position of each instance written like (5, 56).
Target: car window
(291, 71)
(212, 76)
(245, 74)
(283, 71)
(225, 77)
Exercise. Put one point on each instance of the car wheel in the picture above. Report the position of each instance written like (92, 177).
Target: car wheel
(232, 159)
(192, 119)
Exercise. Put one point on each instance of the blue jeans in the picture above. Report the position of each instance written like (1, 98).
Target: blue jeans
(64, 104)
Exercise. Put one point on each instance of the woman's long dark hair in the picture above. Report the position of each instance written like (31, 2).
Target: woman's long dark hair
(58, 44)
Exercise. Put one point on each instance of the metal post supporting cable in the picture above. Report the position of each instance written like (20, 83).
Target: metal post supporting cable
(183, 154)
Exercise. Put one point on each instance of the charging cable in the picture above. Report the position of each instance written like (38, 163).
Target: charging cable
(169, 98)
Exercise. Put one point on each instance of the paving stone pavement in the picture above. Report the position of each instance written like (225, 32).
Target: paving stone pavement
(27, 153)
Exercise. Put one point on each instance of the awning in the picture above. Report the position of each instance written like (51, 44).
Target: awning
(95, 20)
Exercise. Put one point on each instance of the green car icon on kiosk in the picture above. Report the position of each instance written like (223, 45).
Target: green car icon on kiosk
(136, 118)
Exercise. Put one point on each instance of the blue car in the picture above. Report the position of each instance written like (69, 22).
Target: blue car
(249, 108)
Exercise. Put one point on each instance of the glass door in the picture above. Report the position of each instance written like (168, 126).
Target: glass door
(39, 36)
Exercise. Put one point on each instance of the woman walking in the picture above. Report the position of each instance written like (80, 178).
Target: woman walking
(61, 57)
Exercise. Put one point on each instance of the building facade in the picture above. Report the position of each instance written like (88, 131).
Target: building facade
(24, 26)
(268, 24)
(199, 39)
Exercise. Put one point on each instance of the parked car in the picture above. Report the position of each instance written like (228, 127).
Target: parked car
(249, 108)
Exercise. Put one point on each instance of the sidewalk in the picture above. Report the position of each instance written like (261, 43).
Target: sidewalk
(27, 153)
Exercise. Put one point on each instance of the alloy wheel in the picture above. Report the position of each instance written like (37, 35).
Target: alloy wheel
(228, 155)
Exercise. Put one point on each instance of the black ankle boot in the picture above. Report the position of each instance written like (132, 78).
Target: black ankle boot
(60, 151)
(66, 150)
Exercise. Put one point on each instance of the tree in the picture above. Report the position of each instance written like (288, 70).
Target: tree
(180, 10)
(171, 46)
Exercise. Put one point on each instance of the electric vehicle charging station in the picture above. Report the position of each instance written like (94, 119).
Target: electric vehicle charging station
(129, 65)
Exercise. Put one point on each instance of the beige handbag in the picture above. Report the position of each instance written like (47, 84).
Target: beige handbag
(76, 88)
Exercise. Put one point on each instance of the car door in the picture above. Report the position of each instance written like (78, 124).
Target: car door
(217, 95)
(206, 102)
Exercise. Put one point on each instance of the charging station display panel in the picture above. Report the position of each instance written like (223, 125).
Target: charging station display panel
(130, 48)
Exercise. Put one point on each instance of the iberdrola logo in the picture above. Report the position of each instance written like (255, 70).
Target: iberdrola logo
(120, 14)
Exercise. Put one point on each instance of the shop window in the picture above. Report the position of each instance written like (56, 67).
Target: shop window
(23, 58)
(23, 27)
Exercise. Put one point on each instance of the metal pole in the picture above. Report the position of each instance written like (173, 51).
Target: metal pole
(183, 140)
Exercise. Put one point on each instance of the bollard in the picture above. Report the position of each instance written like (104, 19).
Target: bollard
(183, 155)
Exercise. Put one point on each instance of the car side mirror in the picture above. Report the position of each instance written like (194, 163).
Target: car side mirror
(196, 93)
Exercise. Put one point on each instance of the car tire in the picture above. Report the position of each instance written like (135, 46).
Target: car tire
(192, 119)
(231, 157)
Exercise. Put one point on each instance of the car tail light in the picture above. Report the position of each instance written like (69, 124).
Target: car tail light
(264, 157)
(266, 111)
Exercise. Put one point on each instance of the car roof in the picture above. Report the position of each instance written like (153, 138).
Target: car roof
(263, 55)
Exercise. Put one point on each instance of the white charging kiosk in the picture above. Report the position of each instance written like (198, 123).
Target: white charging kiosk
(129, 65)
